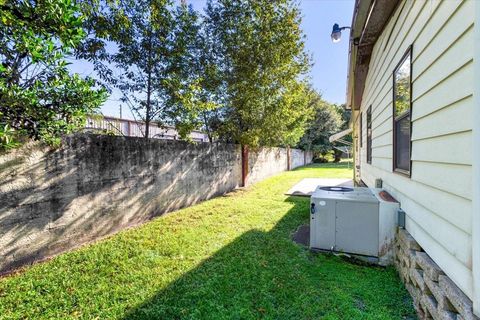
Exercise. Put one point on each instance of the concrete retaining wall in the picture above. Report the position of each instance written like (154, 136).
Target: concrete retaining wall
(52, 201)
(265, 163)
(434, 294)
(298, 158)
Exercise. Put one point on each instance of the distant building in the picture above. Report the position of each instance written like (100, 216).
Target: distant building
(132, 128)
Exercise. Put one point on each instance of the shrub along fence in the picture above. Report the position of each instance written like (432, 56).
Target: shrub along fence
(94, 185)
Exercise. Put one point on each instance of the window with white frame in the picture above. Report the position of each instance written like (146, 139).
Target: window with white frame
(402, 106)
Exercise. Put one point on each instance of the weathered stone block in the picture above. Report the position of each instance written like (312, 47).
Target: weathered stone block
(429, 305)
(405, 257)
(413, 261)
(460, 317)
(407, 241)
(457, 298)
(431, 269)
(396, 263)
(417, 278)
(405, 273)
(414, 292)
(434, 289)
(446, 315)
(420, 313)
(435, 296)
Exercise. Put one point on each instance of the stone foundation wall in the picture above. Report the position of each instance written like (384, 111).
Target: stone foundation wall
(435, 296)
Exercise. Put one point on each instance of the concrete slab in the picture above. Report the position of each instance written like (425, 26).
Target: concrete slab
(307, 186)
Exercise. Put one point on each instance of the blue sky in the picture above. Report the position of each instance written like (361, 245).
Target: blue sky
(329, 72)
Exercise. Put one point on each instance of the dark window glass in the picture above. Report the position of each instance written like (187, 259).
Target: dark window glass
(401, 114)
(369, 134)
(402, 143)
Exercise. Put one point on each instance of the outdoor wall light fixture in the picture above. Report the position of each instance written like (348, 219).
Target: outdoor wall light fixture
(337, 32)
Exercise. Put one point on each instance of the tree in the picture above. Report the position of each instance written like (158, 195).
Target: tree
(212, 93)
(38, 96)
(327, 121)
(257, 55)
(184, 104)
(150, 58)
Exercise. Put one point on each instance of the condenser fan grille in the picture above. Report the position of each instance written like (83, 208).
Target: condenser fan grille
(337, 189)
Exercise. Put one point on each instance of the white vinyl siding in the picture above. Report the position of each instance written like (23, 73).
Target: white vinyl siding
(476, 169)
(437, 197)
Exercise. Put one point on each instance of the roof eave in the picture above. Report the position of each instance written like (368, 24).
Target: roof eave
(369, 20)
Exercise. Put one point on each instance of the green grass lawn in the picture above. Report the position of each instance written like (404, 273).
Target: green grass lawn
(226, 258)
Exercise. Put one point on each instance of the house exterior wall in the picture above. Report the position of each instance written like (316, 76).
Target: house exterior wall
(438, 196)
(476, 169)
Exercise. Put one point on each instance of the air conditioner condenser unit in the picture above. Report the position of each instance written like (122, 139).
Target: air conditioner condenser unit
(359, 221)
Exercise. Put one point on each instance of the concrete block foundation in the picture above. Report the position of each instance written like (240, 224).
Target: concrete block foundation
(435, 295)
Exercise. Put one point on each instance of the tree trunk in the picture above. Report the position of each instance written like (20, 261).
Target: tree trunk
(149, 91)
(207, 127)
(148, 109)
(289, 160)
(244, 165)
(337, 155)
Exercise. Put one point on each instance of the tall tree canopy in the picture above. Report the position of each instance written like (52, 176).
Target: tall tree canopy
(147, 49)
(255, 52)
(239, 70)
(328, 120)
(38, 95)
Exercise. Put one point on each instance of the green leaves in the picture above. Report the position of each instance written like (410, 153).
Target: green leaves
(258, 50)
(153, 62)
(239, 71)
(328, 119)
(38, 96)
(8, 137)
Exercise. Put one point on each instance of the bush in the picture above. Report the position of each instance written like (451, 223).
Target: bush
(39, 98)
(320, 160)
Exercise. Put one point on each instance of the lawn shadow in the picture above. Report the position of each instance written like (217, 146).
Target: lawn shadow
(264, 274)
